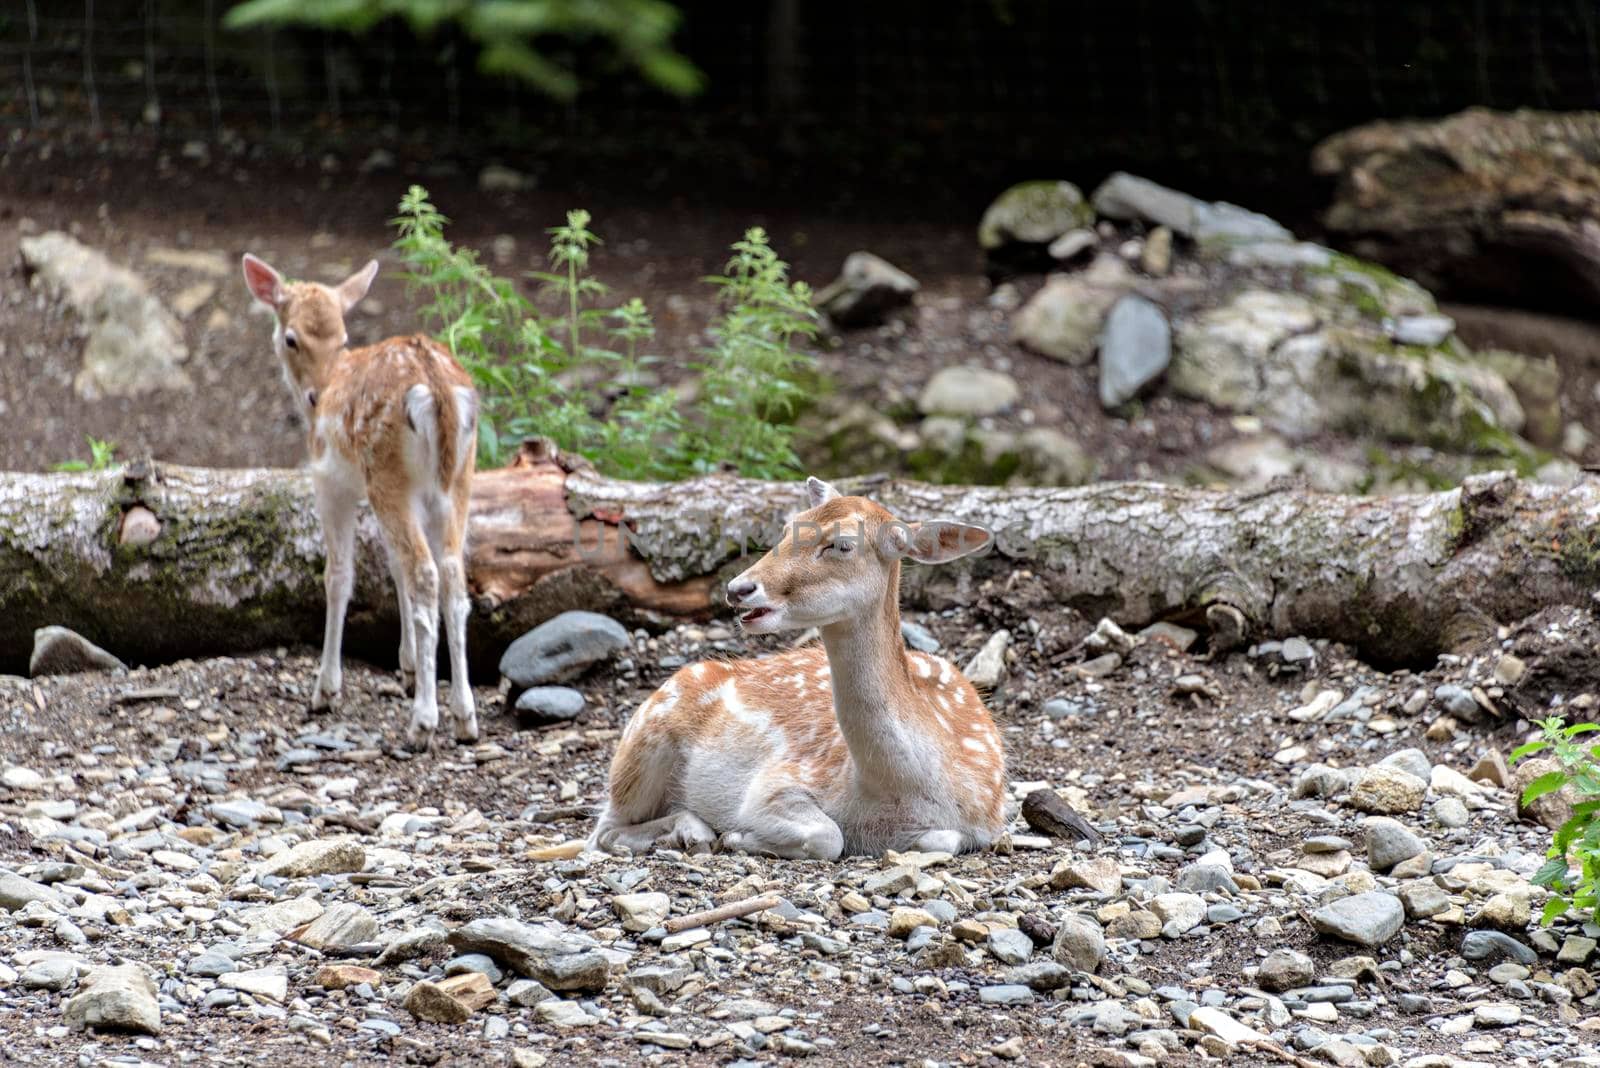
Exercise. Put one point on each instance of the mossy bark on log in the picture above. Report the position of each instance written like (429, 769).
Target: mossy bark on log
(235, 560)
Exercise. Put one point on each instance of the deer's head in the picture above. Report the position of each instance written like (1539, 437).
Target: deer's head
(839, 560)
(309, 333)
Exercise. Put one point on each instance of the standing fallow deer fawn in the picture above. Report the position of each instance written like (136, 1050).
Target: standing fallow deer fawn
(396, 424)
(858, 747)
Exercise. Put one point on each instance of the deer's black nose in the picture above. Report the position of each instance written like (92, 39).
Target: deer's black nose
(739, 590)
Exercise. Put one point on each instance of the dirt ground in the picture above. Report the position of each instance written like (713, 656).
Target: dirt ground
(1136, 738)
(321, 218)
(1139, 734)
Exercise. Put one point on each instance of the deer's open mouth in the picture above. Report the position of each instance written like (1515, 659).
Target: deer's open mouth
(754, 615)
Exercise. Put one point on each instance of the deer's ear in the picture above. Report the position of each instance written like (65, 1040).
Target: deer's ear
(818, 491)
(938, 542)
(264, 283)
(355, 287)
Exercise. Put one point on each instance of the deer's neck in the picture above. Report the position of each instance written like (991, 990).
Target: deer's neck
(873, 697)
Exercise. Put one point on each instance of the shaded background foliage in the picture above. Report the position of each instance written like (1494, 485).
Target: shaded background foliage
(845, 104)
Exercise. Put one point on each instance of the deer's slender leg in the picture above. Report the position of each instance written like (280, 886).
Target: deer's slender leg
(456, 606)
(414, 559)
(337, 511)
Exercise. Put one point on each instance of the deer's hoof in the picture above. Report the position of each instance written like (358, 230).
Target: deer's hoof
(419, 739)
(467, 731)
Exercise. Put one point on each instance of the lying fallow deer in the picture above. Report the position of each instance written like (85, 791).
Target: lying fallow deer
(858, 747)
(395, 423)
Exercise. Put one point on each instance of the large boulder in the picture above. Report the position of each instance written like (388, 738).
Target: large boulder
(1064, 320)
(1487, 203)
(134, 344)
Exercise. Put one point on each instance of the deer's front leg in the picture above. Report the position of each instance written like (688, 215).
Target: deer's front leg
(337, 512)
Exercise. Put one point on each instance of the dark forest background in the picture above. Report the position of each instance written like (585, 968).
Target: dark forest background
(910, 108)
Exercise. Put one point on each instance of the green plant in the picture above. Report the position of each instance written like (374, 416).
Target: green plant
(753, 374)
(509, 32)
(541, 375)
(1579, 836)
(102, 454)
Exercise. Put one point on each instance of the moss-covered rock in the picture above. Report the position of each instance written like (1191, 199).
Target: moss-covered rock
(1020, 224)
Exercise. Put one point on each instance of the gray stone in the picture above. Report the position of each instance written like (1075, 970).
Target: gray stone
(562, 648)
(1178, 912)
(15, 892)
(1389, 842)
(1072, 244)
(1285, 969)
(1064, 319)
(481, 963)
(118, 998)
(549, 704)
(241, 812)
(319, 856)
(1126, 196)
(663, 977)
(340, 926)
(59, 651)
(1423, 899)
(1201, 878)
(1008, 994)
(868, 287)
(561, 960)
(526, 993)
(1496, 945)
(1047, 457)
(210, 965)
(641, 912)
(1135, 349)
(1228, 225)
(563, 1014)
(1450, 813)
(134, 343)
(1079, 943)
(1424, 330)
(1412, 760)
(53, 972)
(1388, 791)
(1459, 702)
(271, 982)
(968, 391)
(1368, 919)
(918, 637)
(1041, 975)
(987, 668)
(1009, 945)
(1033, 213)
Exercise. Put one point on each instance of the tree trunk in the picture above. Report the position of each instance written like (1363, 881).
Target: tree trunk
(158, 562)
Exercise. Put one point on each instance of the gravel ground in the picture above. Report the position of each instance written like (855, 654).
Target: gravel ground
(191, 820)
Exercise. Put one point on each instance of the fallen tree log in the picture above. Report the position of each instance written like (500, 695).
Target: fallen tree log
(159, 562)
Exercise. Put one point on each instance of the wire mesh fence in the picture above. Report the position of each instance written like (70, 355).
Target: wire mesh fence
(1218, 84)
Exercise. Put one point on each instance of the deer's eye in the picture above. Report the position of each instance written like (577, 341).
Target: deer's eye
(289, 340)
(841, 547)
